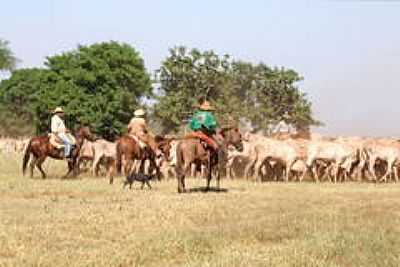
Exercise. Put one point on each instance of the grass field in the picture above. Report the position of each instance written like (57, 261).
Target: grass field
(86, 222)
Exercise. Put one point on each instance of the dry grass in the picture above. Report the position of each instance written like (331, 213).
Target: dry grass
(87, 222)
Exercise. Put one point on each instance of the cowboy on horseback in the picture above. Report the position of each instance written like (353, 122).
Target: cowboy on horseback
(59, 130)
(138, 129)
(192, 149)
(204, 124)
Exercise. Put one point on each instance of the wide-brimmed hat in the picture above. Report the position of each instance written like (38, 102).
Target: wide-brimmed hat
(139, 112)
(286, 115)
(206, 106)
(58, 110)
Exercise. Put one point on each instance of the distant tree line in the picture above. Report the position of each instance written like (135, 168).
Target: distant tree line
(102, 84)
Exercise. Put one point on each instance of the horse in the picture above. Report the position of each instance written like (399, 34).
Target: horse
(40, 148)
(190, 151)
(129, 149)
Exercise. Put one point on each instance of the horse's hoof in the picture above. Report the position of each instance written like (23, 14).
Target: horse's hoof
(180, 191)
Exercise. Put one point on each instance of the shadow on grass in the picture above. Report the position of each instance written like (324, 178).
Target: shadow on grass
(204, 189)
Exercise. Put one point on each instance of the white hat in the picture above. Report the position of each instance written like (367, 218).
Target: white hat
(139, 112)
(58, 110)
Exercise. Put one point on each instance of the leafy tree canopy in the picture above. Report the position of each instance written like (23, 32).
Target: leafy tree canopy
(7, 58)
(261, 94)
(100, 85)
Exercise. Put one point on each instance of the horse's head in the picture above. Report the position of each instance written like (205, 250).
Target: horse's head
(164, 145)
(232, 136)
(85, 133)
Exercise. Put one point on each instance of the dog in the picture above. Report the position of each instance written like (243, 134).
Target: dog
(140, 177)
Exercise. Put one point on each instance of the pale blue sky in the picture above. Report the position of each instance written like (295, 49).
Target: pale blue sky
(348, 51)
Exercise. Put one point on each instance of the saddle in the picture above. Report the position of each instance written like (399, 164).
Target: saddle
(206, 141)
(56, 141)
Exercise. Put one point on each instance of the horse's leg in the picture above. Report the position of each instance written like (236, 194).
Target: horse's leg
(209, 170)
(70, 169)
(142, 166)
(39, 163)
(74, 168)
(95, 164)
(180, 174)
(193, 170)
(32, 165)
(129, 161)
(110, 171)
(154, 165)
(127, 167)
(185, 171)
(218, 178)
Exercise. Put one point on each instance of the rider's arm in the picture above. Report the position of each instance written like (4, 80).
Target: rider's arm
(54, 125)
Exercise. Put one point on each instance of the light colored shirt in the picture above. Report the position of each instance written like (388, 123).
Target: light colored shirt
(57, 125)
(137, 126)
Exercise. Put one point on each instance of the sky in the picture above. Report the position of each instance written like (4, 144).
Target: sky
(347, 51)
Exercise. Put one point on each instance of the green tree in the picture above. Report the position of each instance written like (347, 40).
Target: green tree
(258, 93)
(100, 85)
(185, 78)
(7, 58)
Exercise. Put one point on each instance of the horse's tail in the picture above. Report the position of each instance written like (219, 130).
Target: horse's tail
(119, 158)
(27, 154)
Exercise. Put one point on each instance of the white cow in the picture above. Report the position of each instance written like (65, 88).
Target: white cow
(330, 152)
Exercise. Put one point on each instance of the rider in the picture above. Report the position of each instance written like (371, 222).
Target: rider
(138, 128)
(204, 124)
(58, 129)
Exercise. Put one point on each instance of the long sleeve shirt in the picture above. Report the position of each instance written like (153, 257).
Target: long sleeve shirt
(57, 125)
(203, 119)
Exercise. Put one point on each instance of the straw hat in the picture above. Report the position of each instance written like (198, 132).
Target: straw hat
(206, 106)
(286, 115)
(139, 112)
(58, 110)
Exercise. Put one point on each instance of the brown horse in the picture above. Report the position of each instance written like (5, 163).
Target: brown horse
(129, 149)
(191, 150)
(40, 148)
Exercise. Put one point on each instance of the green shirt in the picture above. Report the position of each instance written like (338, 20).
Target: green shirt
(203, 119)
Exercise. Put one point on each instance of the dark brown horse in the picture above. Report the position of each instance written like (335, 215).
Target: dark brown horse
(40, 148)
(191, 150)
(129, 150)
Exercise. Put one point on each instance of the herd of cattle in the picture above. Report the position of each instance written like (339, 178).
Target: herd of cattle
(271, 159)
